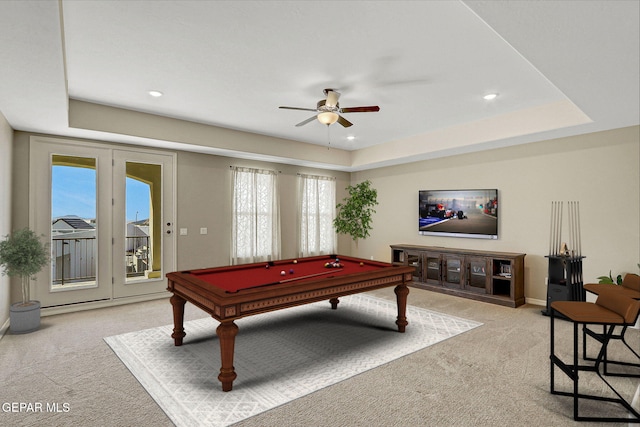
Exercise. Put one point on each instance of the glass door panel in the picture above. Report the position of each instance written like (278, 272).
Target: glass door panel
(143, 254)
(433, 268)
(477, 280)
(74, 230)
(453, 271)
(70, 204)
(143, 249)
(414, 260)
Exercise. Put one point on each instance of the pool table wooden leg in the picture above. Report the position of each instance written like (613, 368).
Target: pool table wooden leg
(178, 319)
(227, 332)
(334, 303)
(401, 296)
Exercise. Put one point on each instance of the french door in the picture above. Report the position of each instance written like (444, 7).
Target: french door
(108, 216)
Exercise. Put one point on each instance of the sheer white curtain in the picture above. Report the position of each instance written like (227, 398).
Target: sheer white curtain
(256, 216)
(316, 211)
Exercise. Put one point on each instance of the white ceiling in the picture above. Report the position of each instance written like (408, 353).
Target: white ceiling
(560, 68)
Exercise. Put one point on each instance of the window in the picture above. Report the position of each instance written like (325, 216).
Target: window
(256, 218)
(74, 247)
(316, 212)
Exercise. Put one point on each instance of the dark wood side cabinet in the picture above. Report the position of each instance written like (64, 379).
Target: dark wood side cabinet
(495, 277)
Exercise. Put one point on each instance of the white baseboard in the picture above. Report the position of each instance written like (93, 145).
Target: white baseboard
(4, 328)
(534, 301)
(50, 311)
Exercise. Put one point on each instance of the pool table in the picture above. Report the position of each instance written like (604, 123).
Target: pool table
(233, 292)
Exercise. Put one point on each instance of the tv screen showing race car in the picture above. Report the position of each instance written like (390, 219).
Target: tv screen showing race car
(458, 213)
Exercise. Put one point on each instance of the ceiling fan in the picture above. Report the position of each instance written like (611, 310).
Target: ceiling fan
(328, 110)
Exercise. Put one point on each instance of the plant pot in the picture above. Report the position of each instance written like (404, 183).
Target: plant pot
(24, 318)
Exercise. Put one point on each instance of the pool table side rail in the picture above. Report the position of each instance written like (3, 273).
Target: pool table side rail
(228, 306)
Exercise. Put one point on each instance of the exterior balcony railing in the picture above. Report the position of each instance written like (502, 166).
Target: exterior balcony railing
(74, 259)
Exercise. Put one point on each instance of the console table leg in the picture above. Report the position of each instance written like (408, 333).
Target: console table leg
(401, 296)
(178, 319)
(227, 332)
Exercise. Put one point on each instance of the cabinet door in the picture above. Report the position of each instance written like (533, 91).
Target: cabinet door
(453, 271)
(414, 259)
(433, 268)
(477, 277)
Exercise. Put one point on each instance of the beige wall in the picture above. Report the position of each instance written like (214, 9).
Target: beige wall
(599, 170)
(6, 135)
(204, 200)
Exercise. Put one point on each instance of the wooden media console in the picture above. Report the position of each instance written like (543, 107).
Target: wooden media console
(495, 277)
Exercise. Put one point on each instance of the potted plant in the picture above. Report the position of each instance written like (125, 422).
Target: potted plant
(23, 254)
(610, 280)
(354, 216)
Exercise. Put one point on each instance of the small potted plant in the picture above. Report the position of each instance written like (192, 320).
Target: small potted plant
(610, 280)
(354, 216)
(22, 254)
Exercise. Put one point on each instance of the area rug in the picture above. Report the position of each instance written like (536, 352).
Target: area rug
(279, 356)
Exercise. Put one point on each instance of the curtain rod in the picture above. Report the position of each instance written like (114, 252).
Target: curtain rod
(316, 176)
(247, 167)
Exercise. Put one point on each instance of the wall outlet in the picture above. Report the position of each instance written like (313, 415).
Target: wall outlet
(183, 231)
(203, 230)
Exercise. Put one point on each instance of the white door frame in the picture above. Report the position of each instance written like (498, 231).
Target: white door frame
(41, 150)
(122, 287)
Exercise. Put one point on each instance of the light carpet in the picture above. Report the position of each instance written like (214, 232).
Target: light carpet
(279, 356)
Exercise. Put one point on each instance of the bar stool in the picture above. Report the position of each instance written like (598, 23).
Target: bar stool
(611, 309)
(630, 287)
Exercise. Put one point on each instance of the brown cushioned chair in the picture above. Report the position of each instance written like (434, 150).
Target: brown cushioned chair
(611, 309)
(630, 287)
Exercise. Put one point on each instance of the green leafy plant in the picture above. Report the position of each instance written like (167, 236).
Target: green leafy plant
(610, 280)
(354, 216)
(23, 254)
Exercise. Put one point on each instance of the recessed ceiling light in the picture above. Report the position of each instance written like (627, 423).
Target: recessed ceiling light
(351, 137)
(490, 96)
(155, 93)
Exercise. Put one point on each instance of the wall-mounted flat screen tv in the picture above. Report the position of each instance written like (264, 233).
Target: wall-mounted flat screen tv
(458, 213)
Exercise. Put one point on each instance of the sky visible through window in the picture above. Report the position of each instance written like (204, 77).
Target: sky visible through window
(74, 193)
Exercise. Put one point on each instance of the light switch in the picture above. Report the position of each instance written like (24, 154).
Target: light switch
(183, 231)
(203, 230)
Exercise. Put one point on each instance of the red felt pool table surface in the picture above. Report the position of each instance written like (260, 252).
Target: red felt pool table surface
(236, 278)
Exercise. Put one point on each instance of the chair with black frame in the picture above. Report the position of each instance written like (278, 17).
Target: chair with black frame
(611, 309)
(630, 287)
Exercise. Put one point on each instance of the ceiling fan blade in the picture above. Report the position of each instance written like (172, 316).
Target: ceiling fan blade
(344, 122)
(299, 108)
(332, 98)
(304, 122)
(372, 108)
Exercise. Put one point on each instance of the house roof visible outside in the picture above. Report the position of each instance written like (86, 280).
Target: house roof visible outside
(73, 222)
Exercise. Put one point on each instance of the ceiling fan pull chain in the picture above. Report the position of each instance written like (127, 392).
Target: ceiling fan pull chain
(329, 136)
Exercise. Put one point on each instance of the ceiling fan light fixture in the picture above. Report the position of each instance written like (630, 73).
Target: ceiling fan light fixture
(328, 118)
